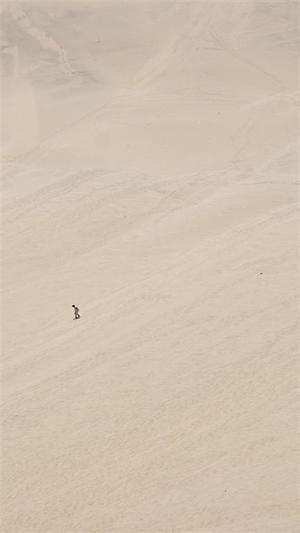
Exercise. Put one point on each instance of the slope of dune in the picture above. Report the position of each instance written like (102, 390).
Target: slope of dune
(150, 177)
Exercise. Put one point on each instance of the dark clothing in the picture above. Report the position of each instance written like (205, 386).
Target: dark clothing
(76, 312)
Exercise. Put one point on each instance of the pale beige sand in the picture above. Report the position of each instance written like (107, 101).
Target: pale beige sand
(150, 167)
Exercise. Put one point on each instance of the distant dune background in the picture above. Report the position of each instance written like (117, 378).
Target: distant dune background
(149, 176)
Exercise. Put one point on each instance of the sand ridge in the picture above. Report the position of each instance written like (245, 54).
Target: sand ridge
(150, 173)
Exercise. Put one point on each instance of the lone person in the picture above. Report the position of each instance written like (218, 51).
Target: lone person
(76, 312)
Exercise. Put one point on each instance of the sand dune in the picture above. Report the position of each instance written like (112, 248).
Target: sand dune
(150, 176)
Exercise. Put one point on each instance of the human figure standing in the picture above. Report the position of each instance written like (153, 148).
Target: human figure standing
(76, 312)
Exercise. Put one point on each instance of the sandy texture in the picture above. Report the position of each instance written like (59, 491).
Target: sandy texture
(149, 177)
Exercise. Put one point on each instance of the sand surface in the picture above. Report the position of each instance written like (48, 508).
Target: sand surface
(149, 176)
